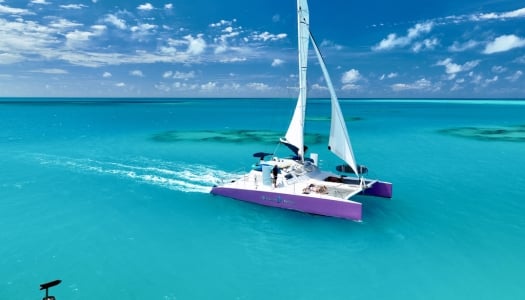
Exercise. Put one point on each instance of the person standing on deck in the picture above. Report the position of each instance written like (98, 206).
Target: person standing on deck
(275, 171)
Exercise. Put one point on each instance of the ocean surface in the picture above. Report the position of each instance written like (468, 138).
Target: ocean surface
(112, 197)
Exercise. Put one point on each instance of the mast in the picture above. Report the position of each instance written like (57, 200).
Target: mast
(294, 137)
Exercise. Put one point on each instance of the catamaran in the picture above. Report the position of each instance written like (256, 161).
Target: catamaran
(297, 182)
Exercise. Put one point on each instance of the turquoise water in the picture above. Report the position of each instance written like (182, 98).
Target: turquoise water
(112, 198)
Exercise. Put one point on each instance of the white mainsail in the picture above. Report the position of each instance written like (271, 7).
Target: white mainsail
(295, 133)
(339, 141)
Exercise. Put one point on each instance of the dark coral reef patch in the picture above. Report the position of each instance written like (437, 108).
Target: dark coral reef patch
(230, 136)
(503, 133)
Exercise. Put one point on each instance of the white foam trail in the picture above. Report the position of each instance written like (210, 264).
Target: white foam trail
(175, 176)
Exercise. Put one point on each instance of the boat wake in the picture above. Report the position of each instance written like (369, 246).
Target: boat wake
(177, 176)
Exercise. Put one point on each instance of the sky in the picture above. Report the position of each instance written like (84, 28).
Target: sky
(233, 48)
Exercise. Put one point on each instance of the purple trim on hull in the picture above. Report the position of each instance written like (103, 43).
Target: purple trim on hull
(379, 189)
(326, 207)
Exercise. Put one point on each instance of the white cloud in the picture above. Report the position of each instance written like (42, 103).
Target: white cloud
(137, 73)
(258, 86)
(168, 6)
(43, 2)
(330, 44)
(209, 86)
(393, 41)
(145, 6)
(106, 75)
(10, 58)
(504, 43)
(73, 6)
(115, 21)
(319, 87)
(77, 37)
(63, 23)
(491, 80)
(265, 36)
(141, 31)
(196, 45)
(350, 76)
(14, 11)
(223, 23)
(277, 62)
(498, 69)
(460, 47)
(233, 59)
(452, 68)
(50, 71)
(518, 13)
(514, 77)
(426, 44)
(421, 84)
(182, 75)
(120, 84)
(389, 76)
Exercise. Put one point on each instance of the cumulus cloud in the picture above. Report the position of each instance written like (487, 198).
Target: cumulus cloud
(115, 21)
(223, 23)
(452, 68)
(265, 36)
(350, 76)
(136, 73)
(394, 41)
(277, 62)
(460, 47)
(182, 75)
(504, 43)
(389, 76)
(209, 86)
(514, 77)
(43, 2)
(73, 6)
(421, 84)
(146, 6)
(196, 45)
(426, 44)
(106, 75)
(14, 11)
(258, 86)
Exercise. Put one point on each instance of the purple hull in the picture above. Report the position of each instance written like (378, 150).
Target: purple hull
(379, 189)
(304, 203)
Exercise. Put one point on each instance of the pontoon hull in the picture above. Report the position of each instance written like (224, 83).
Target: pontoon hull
(346, 209)
(379, 189)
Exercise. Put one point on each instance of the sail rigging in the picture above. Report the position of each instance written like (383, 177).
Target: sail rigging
(339, 141)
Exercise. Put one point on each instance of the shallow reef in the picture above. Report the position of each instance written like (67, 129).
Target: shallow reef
(500, 133)
(230, 136)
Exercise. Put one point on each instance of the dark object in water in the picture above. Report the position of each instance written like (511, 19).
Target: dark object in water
(47, 285)
(261, 155)
(347, 169)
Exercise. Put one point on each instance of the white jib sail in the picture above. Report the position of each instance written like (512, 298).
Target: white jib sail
(339, 141)
(295, 133)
